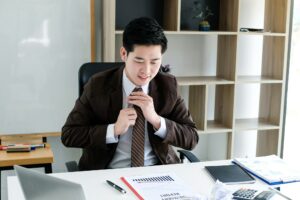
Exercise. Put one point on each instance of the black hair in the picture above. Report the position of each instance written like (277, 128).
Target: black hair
(144, 31)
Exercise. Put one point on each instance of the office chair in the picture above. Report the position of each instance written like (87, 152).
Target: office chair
(89, 69)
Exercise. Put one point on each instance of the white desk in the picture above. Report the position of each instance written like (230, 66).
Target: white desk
(95, 186)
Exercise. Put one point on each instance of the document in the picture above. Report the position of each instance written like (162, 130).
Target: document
(160, 187)
(271, 169)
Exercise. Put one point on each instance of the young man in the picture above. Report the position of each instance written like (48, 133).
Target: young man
(118, 127)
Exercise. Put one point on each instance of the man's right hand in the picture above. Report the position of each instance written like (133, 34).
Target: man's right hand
(126, 118)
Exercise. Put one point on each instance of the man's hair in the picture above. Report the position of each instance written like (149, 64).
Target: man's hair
(144, 31)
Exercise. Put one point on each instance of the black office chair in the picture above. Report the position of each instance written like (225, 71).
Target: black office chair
(89, 69)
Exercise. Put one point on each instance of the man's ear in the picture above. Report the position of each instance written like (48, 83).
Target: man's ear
(123, 54)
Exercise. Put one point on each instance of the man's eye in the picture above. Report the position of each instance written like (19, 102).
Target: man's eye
(139, 61)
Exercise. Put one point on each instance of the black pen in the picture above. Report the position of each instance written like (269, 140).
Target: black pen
(116, 186)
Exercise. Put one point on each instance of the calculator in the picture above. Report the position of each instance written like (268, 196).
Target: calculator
(252, 194)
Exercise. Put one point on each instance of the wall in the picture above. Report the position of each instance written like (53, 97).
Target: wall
(43, 44)
(61, 153)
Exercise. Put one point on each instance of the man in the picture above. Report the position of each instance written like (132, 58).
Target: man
(118, 127)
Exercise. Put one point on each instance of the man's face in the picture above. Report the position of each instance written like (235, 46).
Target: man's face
(142, 64)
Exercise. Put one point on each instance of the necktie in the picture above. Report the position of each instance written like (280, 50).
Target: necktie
(138, 137)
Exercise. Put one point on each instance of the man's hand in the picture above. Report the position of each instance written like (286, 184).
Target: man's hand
(145, 102)
(126, 118)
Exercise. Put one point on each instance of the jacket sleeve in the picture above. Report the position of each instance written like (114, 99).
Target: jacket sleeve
(81, 129)
(181, 130)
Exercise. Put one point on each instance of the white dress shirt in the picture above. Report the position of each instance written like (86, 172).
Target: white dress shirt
(122, 157)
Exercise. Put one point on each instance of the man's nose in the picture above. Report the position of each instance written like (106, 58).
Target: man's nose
(147, 68)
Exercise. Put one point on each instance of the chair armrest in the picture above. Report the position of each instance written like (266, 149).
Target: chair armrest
(72, 166)
(189, 155)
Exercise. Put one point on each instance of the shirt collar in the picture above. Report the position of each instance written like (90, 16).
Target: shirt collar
(129, 86)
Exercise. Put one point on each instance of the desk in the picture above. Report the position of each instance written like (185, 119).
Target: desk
(95, 186)
(41, 157)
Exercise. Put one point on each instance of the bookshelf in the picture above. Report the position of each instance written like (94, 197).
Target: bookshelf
(219, 71)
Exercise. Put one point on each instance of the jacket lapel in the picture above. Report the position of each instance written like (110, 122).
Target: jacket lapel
(153, 92)
(116, 96)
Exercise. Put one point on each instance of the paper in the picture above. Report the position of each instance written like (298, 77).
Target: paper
(270, 169)
(220, 192)
(161, 187)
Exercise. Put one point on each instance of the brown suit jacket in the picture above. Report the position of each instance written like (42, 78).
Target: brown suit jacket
(100, 105)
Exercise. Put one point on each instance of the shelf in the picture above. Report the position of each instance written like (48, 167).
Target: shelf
(263, 34)
(120, 32)
(216, 127)
(257, 79)
(186, 32)
(232, 81)
(254, 124)
(202, 80)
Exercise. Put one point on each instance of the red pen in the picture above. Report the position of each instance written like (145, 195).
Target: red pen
(3, 147)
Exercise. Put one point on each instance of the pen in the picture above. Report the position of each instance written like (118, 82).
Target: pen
(116, 186)
(279, 193)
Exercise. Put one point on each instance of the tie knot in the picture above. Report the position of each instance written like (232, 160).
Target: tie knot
(137, 89)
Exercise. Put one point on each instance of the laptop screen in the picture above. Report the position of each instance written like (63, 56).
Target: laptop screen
(39, 186)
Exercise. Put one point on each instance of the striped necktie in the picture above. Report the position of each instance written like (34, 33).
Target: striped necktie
(138, 137)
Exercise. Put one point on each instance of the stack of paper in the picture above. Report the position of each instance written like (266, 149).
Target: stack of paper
(160, 186)
(271, 169)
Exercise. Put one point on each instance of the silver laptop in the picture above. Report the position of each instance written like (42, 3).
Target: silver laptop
(39, 186)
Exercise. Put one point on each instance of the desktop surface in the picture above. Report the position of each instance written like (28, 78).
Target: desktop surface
(95, 186)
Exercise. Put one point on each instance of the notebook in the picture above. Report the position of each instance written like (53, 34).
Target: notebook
(229, 174)
(271, 169)
(39, 186)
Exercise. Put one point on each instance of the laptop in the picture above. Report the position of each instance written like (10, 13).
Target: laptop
(39, 186)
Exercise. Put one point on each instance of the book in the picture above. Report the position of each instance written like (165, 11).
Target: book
(160, 186)
(229, 174)
(271, 169)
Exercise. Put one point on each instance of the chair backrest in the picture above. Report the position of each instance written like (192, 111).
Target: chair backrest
(89, 69)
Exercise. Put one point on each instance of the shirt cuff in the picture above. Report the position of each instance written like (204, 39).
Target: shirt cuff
(110, 134)
(162, 131)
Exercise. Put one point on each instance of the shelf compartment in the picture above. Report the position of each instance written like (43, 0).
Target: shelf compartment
(219, 108)
(258, 106)
(202, 80)
(254, 124)
(165, 12)
(208, 143)
(268, 143)
(197, 105)
(265, 57)
(188, 11)
(224, 18)
(253, 45)
(188, 56)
